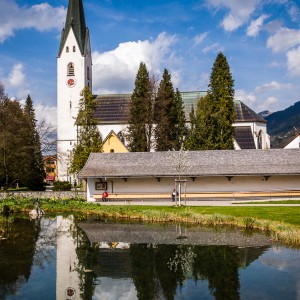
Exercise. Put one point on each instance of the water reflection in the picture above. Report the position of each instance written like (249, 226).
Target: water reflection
(62, 258)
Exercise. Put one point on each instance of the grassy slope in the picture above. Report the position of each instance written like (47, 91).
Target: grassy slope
(287, 214)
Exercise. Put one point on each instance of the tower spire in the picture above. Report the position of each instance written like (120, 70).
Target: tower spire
(76, 20)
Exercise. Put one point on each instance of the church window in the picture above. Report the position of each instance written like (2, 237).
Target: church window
(71, 71)
(67, 49)
(74, 49)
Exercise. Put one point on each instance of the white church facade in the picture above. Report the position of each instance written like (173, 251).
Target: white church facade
(74, 73)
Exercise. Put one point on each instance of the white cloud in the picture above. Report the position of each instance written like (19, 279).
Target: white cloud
(294, 12)
(198, 39)
(266, 96)
(283, 40)
(115, 70)
(213, 48)
(41, 17)
(16, 82)
(293, 61)
(256, 25)
(239, 11)
(270, 103)
(45, 112)
(16, 77)
(248, 98)
(272, 86)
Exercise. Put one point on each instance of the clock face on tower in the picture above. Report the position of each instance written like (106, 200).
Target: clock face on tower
(71, 82)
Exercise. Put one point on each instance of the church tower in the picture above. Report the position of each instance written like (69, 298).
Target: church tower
(74, 72)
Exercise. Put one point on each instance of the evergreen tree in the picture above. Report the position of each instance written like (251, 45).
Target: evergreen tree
(12, 132)
(199, 137)
(221, 95)
(178, 121)
(165, 128)
(141, 112)
(34, 172)
(89, 139)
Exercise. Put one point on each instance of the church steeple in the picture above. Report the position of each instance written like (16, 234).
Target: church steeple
(75, 20)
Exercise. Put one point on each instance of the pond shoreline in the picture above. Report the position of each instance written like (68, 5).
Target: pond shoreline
(247, 217)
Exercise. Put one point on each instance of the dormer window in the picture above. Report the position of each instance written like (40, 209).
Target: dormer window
(71, 71)
(67, 49)
(74, 49)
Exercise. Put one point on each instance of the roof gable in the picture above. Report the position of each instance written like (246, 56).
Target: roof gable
(113, 142)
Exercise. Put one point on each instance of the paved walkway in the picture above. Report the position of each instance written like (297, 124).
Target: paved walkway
(193, 203)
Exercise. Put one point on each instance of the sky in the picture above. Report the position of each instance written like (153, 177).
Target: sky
(260, 39)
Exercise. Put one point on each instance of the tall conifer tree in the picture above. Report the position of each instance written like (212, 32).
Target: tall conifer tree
(162, 114)
(34, 170)
(141, 112)
(89, 139)
(178, 122)
(221, 96)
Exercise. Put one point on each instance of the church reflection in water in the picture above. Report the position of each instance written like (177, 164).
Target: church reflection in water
(104, 260)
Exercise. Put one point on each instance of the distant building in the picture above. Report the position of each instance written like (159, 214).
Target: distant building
(50, 167)
(293, 142)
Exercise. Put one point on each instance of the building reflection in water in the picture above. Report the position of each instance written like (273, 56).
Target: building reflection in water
(62, 258)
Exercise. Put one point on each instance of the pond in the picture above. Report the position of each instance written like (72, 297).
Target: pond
(86, 258)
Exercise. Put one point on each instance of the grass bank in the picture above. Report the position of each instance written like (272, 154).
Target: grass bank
(283, 223)
(289, 202)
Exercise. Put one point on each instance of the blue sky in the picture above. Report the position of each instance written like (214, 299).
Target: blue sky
(260, 38)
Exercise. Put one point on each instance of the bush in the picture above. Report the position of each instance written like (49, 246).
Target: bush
(62, 186)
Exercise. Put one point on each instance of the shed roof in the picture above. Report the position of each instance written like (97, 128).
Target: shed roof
(193, 163)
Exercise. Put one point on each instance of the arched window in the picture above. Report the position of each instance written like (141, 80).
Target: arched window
(67, 49)
(74, 49)
(71, 71)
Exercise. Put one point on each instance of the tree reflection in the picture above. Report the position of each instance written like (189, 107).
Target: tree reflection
(17, 248)
(143, 271)
(219, 265)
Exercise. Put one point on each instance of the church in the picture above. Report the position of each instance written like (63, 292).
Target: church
(74, 72)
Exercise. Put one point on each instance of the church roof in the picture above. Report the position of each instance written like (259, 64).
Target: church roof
(194, 163)
(245, 114)
(114, 108)
(75, 19)
(244, 137)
